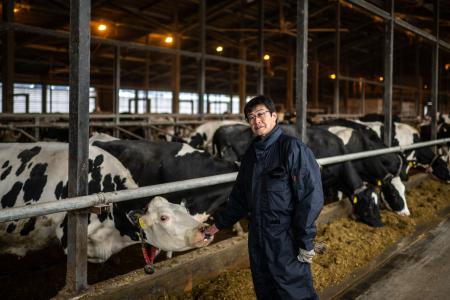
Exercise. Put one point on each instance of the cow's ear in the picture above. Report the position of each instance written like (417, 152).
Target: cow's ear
(134, 217)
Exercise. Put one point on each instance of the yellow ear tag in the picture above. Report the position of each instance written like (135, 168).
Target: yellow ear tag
(379, 182)
(141, 222)
(410, 164)
(355, 200)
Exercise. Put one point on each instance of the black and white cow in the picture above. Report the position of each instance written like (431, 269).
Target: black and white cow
(383, 170)
(404, 135)
(443, 131)
(152, 162)
(337, 177)
(231, 149)
(38, 172)
(203, 135)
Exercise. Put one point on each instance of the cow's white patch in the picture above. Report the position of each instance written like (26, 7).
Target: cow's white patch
(343, 133)
(400, 187)
(375, 198)
(404, 134)
(375, 126)
(100, 136)
(201, 217)
(186, 149)
(209, 128)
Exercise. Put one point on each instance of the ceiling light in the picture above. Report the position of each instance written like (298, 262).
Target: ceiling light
(102, 27)
(168, 40)
(381, 78)
(219, 49)
(332, 76)
(266, 57)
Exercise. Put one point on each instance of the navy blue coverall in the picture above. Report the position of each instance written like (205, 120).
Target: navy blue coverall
(280, 187)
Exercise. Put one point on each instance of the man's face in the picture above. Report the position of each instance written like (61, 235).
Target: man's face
(261, 120)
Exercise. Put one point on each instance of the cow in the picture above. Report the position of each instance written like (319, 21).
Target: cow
(342, 176)
(403, 135)
(443, 131)
(384, 170)
(203, 135)
(38, 172)
(231, 149)
(155, 162)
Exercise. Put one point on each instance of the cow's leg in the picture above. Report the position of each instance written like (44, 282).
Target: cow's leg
(169, 254)
(238, 229)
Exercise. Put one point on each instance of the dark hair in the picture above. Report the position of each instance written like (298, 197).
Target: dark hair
(257, 101)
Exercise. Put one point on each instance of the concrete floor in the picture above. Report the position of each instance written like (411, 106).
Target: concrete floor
(422, 271)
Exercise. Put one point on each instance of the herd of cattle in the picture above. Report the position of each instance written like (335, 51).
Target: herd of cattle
(37, 172)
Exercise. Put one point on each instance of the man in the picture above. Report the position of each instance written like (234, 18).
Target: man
(279, 186)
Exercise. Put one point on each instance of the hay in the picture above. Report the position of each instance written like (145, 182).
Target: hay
(350, 245)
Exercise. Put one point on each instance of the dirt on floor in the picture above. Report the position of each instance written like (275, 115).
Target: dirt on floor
(350, 245)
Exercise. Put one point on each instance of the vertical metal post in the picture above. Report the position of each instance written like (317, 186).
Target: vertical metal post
(116, 88)
(80, 15)
(136, 101)
(315, 79)
(44, 98)
(176, 77)
(242, 78)
(301, 69)
(338, 58)
(201, 83)
(261, 47)
(419, 84)
(8, 58)
(435, 72)
(289, 104)
(363, 96)
(388, 71)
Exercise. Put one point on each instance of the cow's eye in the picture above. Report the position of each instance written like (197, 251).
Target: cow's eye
(164, 218)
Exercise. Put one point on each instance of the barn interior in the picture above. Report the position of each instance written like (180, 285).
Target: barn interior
(147, 56)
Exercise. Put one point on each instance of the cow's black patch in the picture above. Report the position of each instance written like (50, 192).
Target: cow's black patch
(5, 164)
(108, 185)
(34, 186)
(29, 226)
(9, 199)
(64, 228)
(61, 190)
(102, 217)
(6, 173)
(25, 156)
(64, 225)
(29, 165)
(11, 228)
(96, 177)
(120, 183)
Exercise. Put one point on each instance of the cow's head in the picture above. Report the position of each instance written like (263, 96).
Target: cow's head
(440, 169)
(393, 193)
(365, 207)
(169, 226)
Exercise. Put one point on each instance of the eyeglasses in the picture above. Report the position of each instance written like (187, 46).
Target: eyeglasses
(260, 115)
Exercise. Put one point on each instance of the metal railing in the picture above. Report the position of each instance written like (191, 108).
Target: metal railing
(34, 210)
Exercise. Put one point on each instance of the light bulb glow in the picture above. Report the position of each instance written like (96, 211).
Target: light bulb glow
(168, 40)
(102, 27)
(219, 49)
(332, 76)
(266, 57)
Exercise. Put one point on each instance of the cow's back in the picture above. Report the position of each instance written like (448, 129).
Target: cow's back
(37, 173)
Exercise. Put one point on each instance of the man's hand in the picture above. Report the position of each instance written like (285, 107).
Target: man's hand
(306, 256)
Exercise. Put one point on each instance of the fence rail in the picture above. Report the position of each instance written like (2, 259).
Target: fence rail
(34, 210)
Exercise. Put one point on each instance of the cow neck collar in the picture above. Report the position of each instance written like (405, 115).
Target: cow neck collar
(263, 143)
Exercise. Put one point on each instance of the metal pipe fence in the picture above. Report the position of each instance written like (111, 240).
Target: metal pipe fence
(34, 210)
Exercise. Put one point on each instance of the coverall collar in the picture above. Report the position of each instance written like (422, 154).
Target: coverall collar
(262, 143)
